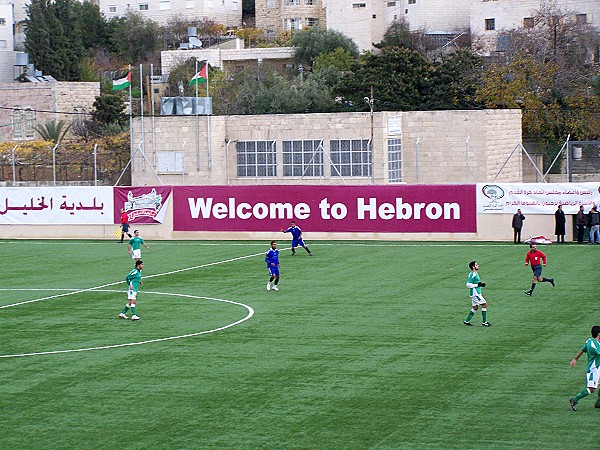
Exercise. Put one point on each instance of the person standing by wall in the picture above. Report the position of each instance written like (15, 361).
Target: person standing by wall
(594, 225)
(560, 223)
(580, 222)
(517, 224)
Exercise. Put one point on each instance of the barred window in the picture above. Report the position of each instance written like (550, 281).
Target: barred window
(23, 121)
(394, 160)
(350, 158)
(302, 158)
(256, 158)
(170, 162)
(490, 24)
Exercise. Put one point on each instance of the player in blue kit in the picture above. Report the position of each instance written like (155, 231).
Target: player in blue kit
(296, 238)
(272, 260)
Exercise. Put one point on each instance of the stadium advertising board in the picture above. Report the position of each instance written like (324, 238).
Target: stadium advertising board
(380, 209)
(147, 204)
(536, 198)
(56, 205)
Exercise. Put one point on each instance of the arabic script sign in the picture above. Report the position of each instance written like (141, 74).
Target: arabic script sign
(536, 198)
(56, 205)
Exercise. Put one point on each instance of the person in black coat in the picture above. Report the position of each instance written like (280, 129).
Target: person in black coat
(517, 224)
(560, 223)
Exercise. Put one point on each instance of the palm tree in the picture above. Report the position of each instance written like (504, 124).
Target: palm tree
(53, 131)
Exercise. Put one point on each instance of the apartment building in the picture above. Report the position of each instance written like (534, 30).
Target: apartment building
(489, 17)
(276, 16)
(226, 12)
(7, 53)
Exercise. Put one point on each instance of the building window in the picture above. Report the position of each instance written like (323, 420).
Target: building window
(359, 5)
(292, 3)
(310, 2)
(490, 24)
(3, 43)
(270, 3)
(23, 121)
(312, 22)
(292, 24)
(412, 2)
(302, 158)
(256, 158)
(350, 158)
(170, 162)
(143, 6)
(581, 18)
(394, 160)
(164, 5)
(390, 4)
(528, 22)
(112, 8)
(2, 21)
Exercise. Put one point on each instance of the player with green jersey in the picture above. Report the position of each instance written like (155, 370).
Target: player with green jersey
(592, 349)
(133, 280)
(135, 246)
(474, 284)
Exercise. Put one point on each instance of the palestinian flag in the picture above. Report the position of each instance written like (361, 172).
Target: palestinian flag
(122, 83)
(200, 77)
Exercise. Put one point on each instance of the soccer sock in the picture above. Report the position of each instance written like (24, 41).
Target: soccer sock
(272, 278)
(470, 316)
(532, 286)
(133, 310)
(484, 314)
(293, 251)
(125, 309)
(581, 395)
(276, 281)
(306, 248)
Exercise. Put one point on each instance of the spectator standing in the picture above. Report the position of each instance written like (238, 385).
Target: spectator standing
(560, 223)
(580, 221)
(517, 224)
(594, 225)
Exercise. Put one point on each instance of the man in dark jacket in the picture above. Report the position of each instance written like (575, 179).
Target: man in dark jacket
(594, 224)
(560, 225)
(517, 224)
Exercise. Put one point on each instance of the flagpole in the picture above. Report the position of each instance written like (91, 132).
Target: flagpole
(208, 143)
(130, 121)
(152, 112)
(142, 118)
(197, 123)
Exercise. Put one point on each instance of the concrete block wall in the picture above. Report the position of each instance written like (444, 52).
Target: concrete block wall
(7, 62)
(442, 155)
(37, 96)
(437, 15)
(79, 96)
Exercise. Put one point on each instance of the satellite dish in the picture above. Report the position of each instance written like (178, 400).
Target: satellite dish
(195, 42)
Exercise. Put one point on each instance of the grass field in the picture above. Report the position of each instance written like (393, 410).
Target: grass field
(362, 348)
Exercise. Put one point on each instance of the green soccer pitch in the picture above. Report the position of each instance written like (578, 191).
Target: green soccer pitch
(362, 347)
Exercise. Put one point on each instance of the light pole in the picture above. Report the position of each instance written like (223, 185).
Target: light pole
(369, 101)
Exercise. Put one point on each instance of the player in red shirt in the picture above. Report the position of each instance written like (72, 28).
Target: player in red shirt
(124, 225)
(537, 258)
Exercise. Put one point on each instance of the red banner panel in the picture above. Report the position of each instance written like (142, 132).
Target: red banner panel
(378, 209)
(146, 204)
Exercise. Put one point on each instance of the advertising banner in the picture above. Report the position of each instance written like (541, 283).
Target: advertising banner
(146, 204)
(56, 205)
(536, 198)
(378, 209)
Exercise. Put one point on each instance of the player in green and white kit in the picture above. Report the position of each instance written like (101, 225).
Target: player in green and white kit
(133, 280)
(135, 244)
(592, 348)
(474, 284)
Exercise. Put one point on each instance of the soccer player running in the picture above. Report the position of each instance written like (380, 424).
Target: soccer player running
(272, 260)
(296, 238)
(133, 280)
(474, 284)
(536, 258)
(592, 349)
(124, 225)
(134, 246)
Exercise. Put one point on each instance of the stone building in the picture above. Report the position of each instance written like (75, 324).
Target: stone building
(344, 148)
(275, 16)
(25, 104)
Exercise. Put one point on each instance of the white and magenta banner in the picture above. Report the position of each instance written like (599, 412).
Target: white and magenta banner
(536, 198)
(56, 205)
(378, 209)
(146, 204)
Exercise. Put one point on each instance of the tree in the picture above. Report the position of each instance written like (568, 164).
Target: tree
(52, 38)
(135, 39)
(109, 109)
(314, 41)
(547, 71)
(53, 131)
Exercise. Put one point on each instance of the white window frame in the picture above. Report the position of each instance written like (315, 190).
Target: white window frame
(350, 157)
(170, 161)
(256, 159)
(394, 146)
(303, 158)
(143, 7)
(23, 121)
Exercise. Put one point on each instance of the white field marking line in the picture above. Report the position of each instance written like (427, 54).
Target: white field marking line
(149, 341)
(50, 297)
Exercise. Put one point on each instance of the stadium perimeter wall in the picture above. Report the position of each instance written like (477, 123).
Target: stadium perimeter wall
(496, 227)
